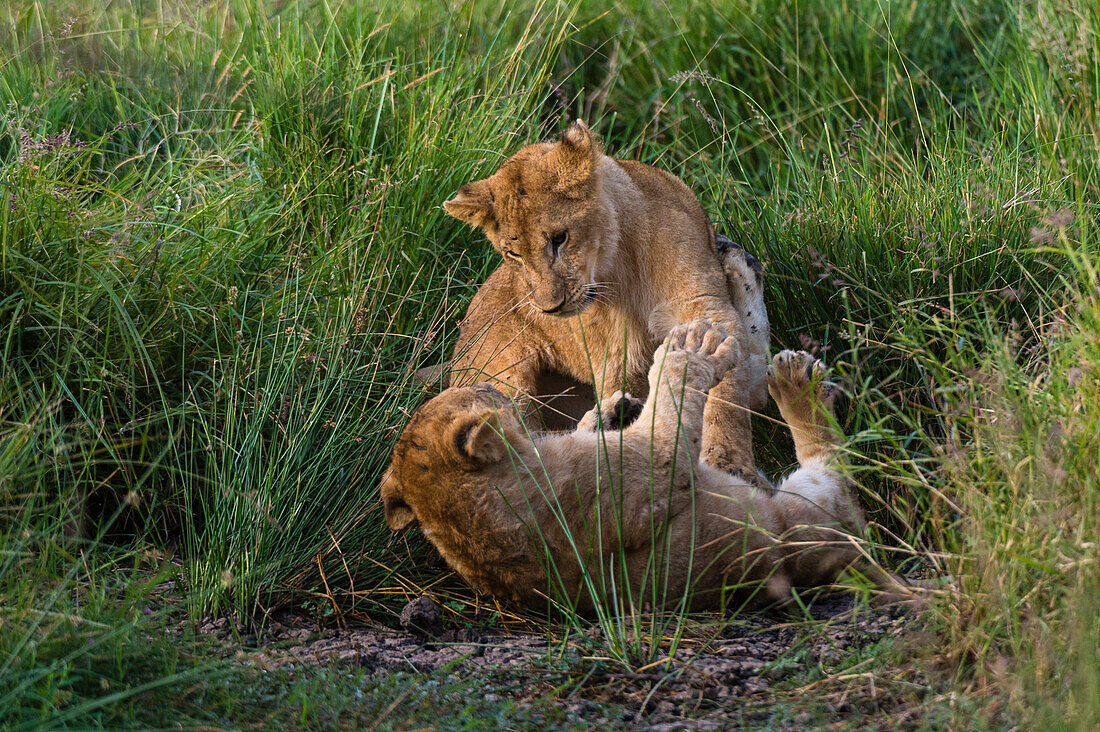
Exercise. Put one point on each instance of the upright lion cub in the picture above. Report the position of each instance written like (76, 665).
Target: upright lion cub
(636, 512)
(602, 258)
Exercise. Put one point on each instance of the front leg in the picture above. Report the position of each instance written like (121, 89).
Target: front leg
(665, 435)
(684, 369)
(614, 413)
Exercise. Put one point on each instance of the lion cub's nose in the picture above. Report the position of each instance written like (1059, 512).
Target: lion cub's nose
(557, 308)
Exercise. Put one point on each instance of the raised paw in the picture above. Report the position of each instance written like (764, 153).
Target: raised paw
(700, 346)
(614, 413)
(797, 377)
(704, 338)
(801, 388)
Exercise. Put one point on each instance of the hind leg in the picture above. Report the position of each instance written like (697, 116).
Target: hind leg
(817, 501)
(798, 382)
(818, 492)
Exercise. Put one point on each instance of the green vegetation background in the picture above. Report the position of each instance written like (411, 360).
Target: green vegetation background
(222, 256)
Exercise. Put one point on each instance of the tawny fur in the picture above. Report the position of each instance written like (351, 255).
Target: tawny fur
(524, 516)
(602, 258)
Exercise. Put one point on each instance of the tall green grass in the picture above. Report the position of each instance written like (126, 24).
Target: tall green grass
(222, 257)
(223, 292)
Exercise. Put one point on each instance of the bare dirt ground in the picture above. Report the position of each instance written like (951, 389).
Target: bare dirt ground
(751, 670)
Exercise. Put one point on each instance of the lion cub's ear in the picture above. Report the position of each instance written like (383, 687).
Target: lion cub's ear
(473, 204)
(578, 135)
(575, 155)
(398, 513)
(477, 438)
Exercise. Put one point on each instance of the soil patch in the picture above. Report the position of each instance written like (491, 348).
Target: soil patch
(722, 674)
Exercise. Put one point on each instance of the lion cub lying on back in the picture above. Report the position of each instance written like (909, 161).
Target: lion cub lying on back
(522, 516)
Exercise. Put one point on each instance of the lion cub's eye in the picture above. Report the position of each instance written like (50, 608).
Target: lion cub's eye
(512, 255)
(556, 240)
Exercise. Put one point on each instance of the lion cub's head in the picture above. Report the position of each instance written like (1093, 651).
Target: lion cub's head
(448, 442)
(543, 211)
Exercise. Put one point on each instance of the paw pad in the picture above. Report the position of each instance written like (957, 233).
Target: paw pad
(624, 411)
(794, 373)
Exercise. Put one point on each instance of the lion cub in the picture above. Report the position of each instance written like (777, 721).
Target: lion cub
(636, 512)
(602, 257)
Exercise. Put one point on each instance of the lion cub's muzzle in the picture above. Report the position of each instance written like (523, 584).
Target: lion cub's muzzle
(574, 303)
(556, 309)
